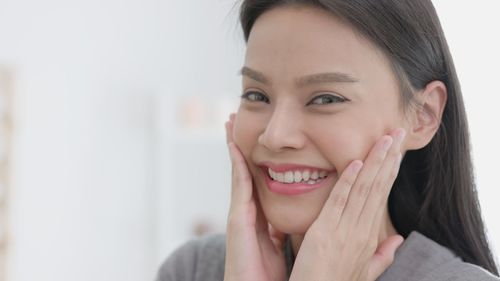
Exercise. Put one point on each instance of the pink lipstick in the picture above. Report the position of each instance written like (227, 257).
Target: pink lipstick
(295, 188)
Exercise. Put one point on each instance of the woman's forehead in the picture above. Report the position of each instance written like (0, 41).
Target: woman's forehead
(302, 41)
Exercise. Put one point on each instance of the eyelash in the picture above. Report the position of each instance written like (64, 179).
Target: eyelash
(249, 93)
(266, 99)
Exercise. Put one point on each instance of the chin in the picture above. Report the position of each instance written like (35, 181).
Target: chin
(289, 224)
(288, 217)
(291, 214)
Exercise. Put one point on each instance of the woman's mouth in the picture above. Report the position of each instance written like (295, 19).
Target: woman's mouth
(294, 180)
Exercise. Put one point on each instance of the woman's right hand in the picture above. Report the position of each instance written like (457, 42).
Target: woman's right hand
(254, 250)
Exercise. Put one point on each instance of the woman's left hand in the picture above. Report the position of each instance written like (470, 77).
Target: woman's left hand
(342, 243)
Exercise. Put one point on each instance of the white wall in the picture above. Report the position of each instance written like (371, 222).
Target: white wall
(90, 76)
(80, 189)
(104, 177)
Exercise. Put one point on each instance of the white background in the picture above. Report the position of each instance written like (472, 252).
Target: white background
(105, 181)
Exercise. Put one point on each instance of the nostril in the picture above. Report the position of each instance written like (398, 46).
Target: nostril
(282, 139)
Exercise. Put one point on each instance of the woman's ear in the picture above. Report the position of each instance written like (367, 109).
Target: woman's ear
(427, 115)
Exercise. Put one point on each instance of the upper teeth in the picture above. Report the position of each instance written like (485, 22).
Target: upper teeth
(297, 176)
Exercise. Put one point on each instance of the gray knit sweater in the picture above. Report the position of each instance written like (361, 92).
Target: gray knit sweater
(417, 259)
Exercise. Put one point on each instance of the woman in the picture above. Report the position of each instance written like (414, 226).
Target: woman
(350, 152)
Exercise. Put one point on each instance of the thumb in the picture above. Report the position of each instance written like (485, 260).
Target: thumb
(277, 237)
(384, 256)
(241, 186)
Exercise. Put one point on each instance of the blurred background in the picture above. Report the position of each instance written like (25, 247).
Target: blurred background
(112, 149)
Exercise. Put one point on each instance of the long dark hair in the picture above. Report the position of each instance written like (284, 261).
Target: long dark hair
(435, 192)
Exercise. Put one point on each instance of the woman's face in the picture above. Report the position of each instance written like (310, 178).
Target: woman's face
(293, 116)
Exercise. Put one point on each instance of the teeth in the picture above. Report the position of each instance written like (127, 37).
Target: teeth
(289, 177)
(271, 173)
(280, 177)
(305, 175)
(298, 176)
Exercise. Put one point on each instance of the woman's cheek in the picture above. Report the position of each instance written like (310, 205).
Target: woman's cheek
(348, 141)
(340, 151)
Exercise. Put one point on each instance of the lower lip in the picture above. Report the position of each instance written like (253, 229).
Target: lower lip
(294, 188)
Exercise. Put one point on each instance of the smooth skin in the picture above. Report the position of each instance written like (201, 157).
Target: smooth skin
(343, 235)
(339, 232)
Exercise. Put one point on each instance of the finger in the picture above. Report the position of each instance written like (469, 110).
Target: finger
(266, 234)
(382, 186)
(277, 237)
(374, 224)
(334, 206)
(261, 225)
(374, 229)
(229, 128)
(229, 131)
(241, 190)
(362, 186)
(384, 256)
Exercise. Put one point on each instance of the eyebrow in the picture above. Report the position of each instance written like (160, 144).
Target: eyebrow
(318, 78)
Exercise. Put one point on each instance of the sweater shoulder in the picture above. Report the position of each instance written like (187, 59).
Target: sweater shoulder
(459, 270)
(198, 259)
(420, 258)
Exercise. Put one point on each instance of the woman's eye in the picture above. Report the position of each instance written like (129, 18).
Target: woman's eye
(255, 97)
(326, 99)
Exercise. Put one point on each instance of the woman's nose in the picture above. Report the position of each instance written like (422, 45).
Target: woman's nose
(283, 131)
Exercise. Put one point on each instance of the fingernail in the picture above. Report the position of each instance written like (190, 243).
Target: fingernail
(357, 166)
(387, 143)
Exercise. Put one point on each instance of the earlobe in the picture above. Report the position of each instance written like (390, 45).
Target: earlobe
(428, 115)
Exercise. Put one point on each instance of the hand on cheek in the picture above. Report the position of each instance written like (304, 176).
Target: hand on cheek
(253, 247)
(342, 243)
